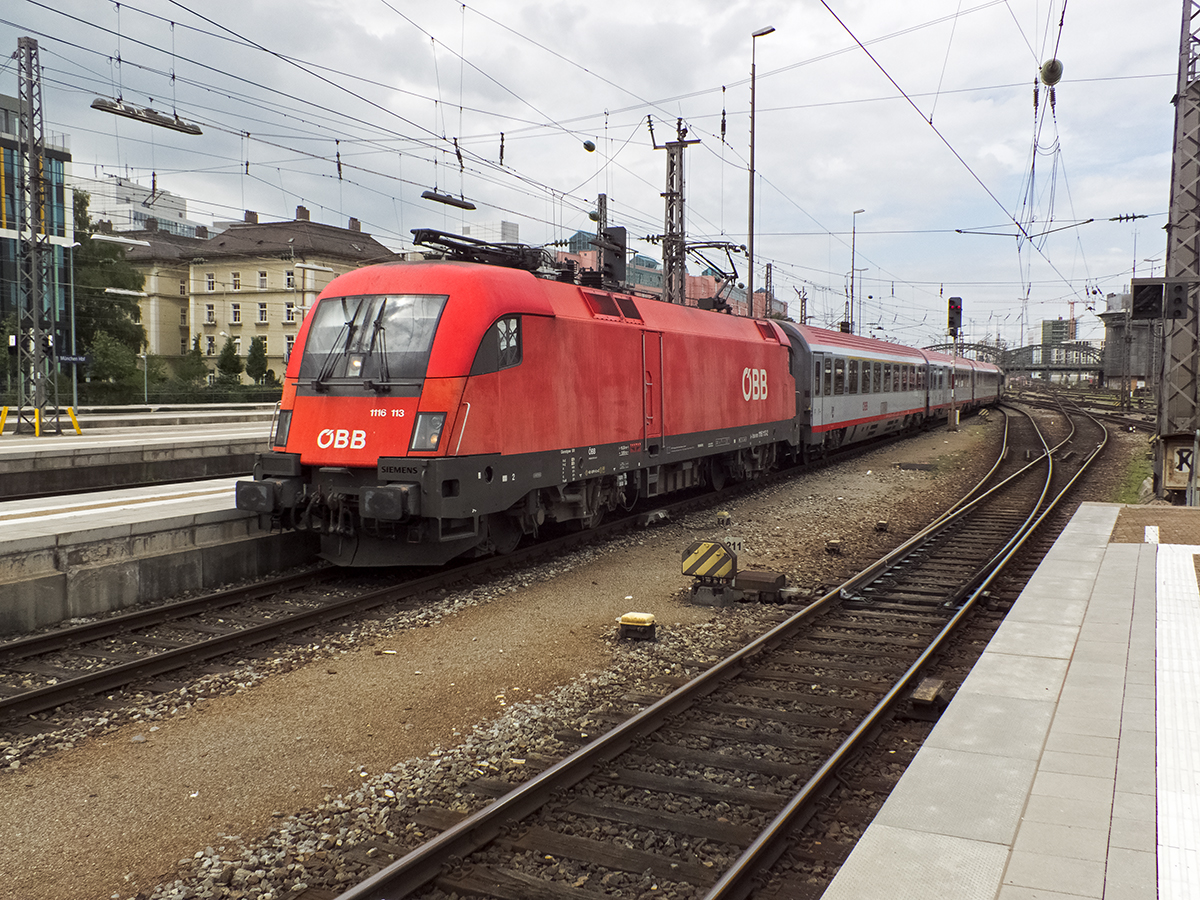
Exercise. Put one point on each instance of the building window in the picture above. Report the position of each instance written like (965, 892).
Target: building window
(211, 348)
(183, 347)
(183, 316)
(210, 282)
(235, 313)
(235, 279)
(262, 312)
(291, 342)
(290, 279)
(263, 340)
(289, 312)
(212, 379)
(137, 315)
(210, 314)
(262, 279)
(182, 287)
(237, 346)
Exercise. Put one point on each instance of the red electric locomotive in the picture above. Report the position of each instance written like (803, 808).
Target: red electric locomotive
(442, 408)
(435, 409)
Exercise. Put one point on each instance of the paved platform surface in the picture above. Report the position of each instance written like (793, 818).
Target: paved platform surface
(116, 510)
(18, 446)
(1068, 764)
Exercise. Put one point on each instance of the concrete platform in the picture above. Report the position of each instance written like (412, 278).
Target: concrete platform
(152, 450)
(1068, 764)
(82, 555)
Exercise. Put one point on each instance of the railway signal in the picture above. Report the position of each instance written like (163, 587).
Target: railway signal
(1175, 295)
(955, 315)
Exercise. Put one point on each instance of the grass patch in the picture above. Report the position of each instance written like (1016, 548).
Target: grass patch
(1140, 468)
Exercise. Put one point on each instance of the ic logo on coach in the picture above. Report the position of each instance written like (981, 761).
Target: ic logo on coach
(341, 439)
(754, 384)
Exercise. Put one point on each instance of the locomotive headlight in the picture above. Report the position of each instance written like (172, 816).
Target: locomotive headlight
(354, 365)
(427, 432)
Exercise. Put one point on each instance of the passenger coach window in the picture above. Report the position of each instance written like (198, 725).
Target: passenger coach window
(887, 376)
(904, 378)
(839, 376)
(878, 381)
(852, 387)
(828, 392)
(817, 380)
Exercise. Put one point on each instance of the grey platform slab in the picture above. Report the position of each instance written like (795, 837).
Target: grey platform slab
(1068, 764)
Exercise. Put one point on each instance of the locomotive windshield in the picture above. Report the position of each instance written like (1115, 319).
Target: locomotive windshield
(378, 339)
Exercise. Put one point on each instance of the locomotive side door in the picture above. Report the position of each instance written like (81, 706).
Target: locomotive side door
(652, 386)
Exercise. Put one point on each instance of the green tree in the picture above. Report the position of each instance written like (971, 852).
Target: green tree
(100, 265)
(229, 365)
(114, 369)
(256, 360)
(192, 369)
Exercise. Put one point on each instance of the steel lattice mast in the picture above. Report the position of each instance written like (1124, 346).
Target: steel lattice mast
(37, 391)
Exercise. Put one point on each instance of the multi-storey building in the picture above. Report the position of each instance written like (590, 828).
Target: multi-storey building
(252, 280)
(130, 206)
(60, 220)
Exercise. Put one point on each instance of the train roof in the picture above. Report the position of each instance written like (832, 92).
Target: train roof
(821, 340)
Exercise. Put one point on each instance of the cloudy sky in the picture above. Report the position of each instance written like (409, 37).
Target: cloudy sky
(920, 113)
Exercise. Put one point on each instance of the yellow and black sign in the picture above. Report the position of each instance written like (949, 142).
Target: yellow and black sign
(710, 559)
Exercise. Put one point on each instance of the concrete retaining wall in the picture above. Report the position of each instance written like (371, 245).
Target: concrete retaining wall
(96, 468)
(47, 580)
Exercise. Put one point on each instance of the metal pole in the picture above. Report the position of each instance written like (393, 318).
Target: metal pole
(74, 365)
(853, 242)
(953, 422)
(750, 227)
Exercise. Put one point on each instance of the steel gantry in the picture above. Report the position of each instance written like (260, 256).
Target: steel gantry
(1179, 400)
(37, 387)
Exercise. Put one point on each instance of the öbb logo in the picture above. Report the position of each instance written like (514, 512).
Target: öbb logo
(754, 384)
(341, 439)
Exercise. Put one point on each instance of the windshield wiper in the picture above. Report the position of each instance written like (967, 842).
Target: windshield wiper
(348, 329)
(379, 339)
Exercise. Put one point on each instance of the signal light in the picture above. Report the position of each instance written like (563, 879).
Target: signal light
(954, 315)
(1175, 295)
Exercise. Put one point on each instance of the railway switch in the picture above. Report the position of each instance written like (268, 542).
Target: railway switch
(714, 566)
(766, 585)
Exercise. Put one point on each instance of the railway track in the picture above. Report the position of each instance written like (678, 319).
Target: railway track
(70, 665)
(699, 792)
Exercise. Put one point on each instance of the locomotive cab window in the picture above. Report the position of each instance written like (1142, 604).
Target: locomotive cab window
(500, 348)
(379, 338)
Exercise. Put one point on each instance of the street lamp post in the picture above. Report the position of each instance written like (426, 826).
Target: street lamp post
(750, 229)
(853, 241)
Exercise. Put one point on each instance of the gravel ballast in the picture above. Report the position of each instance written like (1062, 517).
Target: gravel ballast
(253, 783)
